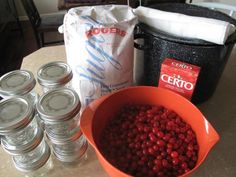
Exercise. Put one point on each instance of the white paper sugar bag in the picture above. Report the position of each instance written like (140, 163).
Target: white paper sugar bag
(207, 29)
(99, 49)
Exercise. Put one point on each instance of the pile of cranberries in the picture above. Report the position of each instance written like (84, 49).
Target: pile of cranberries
(146, 140)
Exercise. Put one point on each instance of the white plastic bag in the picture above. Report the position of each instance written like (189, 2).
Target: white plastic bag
(99, 49)
(208, 29)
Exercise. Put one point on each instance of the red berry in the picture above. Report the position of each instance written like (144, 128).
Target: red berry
(160, 143)
(175, 161)
(145, 140)
(160, 134)
(151, 151)
(155, 130)
(165, 163)
(152, 137)
(190, 147)
(174, 154)
(184, 165)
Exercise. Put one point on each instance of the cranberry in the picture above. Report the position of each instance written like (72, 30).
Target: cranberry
(143, 137)
(175, 161)
(146, 129)
(160, 134)
(165, 163)
(145, 140)
(184, 166)
(155, 147)
(149, 143)
(190, 147)
(152, 137)
(155, 169)
(167, 137)
(151, 151)
(160, 143)
(174, 154)
(159, 157)
(169, 151)
(155, 130)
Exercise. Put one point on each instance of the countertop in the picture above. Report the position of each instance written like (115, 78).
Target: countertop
(220, 110)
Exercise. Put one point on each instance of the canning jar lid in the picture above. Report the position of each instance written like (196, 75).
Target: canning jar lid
(75, 135)
(58, 105)
(72, 157)
(18, 82)
(15, 114)
(54, 74)
(24, 148)
(35, 165)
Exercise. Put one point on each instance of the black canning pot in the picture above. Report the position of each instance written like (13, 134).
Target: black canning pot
(159, 45)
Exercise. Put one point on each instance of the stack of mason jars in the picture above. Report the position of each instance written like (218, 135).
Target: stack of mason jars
(59, 109)
(22, 127)
(22, 137)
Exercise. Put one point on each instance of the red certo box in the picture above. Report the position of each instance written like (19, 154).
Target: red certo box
(179, 77)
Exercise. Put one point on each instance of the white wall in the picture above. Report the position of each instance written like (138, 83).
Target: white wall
(50, 6)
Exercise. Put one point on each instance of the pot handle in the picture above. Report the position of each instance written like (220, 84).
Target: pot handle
(231, 39)
(141, 46)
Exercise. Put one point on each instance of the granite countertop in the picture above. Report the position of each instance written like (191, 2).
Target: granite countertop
(220, 110)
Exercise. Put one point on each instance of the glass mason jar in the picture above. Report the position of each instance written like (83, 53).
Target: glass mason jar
(26, 146)
(18, 83)
(71, 151)
(27, 158)
(36, 162)
(54, 75)
(59, 109)
(43, 170)
(17, 123)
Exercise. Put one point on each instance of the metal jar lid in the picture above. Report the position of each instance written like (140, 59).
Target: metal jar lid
(24, 148)
(35, 165)
(68, 158)
(18, 82)
(58, 105)
(15, 114)
(75, 135)
(54, 74)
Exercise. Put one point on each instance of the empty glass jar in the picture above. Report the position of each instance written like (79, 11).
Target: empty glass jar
(71, 151)
(25, 147)
(24, 135)
(54, 75)
(17, 122)
(28, 158)
(59, 109)
(36, 162)
(18, 83)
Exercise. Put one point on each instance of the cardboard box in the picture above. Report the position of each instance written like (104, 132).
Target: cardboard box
(179, 77)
